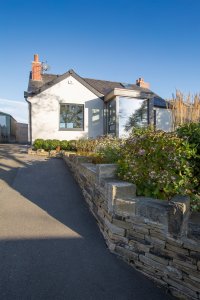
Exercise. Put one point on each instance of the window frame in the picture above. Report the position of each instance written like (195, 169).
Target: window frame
(72, 129)
(110, 115)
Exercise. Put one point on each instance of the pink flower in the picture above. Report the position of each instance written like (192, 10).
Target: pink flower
(141, 152)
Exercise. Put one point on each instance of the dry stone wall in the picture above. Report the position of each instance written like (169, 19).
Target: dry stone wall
(159, 238)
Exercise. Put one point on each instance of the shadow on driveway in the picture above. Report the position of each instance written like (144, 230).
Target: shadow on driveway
(50, 244)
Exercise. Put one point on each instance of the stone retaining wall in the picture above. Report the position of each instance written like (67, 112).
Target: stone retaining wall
(159, 238)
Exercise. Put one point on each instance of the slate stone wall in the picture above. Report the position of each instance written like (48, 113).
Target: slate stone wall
(159, 238)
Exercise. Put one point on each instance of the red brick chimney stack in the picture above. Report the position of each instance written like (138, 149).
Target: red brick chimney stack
(36, 68)
(140, 82)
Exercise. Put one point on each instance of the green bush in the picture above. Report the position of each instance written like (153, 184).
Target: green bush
(64, 145)
(191, 133)
(195, 203)
(47, 145)
(38, 144)
(86, 146)
(72, 145)
(50, 144)
(54, 144)
(107, 150)
(157, 162)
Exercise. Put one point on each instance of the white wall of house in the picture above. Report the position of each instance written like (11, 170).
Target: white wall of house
(163, 119)
(45, 111)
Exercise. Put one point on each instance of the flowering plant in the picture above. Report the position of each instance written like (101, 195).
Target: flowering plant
(107, 150)
(85, 145)
(191, 133)
(158, 163)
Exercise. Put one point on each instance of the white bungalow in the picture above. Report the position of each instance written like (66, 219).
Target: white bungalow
(68, 106)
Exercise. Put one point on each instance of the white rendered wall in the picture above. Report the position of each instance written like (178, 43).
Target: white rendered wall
(46, 108)
(163, 119)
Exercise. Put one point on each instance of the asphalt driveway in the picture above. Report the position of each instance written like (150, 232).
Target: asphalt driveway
(50, 244)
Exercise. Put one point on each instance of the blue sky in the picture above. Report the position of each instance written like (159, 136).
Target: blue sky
(117, 40)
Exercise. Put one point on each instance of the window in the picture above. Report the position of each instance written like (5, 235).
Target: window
(71, 117)
(112, 117)
(133, 112)
(95, 115)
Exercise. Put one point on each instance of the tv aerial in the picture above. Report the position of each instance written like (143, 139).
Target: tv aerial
(45, 67)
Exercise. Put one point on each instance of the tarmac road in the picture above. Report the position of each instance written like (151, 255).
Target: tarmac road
(50, 244)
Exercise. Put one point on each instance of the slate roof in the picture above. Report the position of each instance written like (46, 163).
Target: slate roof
(48, 80)
(105, 87)
(98, 87)
(159, 102)
(33, 85)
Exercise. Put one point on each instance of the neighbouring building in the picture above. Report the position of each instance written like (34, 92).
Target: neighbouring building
(7, 128)
(69, 106)
(22, 133)
(11, 131)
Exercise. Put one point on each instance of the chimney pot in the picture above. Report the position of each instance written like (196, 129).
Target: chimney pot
(36, 58)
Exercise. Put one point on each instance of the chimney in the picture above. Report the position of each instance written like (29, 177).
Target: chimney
(36, 68)
(140, 82)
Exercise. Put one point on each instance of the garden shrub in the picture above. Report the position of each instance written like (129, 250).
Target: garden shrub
(86, 146)
(72, 145)
(107, 150)
(157, 162)
(38, 144)
(54, 144)
(47, 145)
(64, 145)
(81, 145)
(191, 133)
(195, 203)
